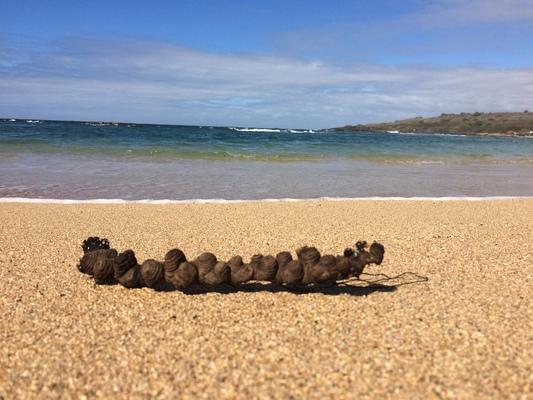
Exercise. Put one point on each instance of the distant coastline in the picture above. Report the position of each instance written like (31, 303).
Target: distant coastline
(513, 124)
(478, 124)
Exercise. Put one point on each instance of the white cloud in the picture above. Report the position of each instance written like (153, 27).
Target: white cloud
(454, 11)
(154, 82)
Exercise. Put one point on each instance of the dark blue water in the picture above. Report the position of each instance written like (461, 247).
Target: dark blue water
(82, 160)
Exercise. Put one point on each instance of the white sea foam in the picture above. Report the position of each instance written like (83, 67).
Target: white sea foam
(272, 130)
(428, 134)
(97, 123)
(255, 130)
(282, 200)
(301, 131)
(447, 134)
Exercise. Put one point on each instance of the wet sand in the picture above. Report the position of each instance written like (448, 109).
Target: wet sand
(467, 332)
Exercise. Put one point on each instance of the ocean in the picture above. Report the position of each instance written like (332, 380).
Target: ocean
(83, 161)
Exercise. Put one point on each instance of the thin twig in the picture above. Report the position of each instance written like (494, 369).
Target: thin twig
(387, 278)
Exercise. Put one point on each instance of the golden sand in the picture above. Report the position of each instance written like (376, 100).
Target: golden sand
(466, 333)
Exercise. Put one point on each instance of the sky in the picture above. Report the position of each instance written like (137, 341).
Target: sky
(297, 64)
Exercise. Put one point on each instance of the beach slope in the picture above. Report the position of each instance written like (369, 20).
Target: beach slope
(466, 332)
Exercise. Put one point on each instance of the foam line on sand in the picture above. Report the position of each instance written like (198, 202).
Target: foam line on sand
(236, 201)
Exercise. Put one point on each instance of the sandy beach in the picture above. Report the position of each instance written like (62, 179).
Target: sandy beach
(465, 333)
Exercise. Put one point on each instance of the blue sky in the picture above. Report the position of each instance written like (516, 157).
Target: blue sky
(271, 63)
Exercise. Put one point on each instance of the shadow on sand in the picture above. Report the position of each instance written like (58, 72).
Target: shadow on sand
(353, 287)
(365, 285)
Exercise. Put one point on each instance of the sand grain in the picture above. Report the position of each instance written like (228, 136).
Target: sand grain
(465, 333)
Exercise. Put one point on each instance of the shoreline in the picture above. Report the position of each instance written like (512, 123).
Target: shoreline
(35, 200)
(512, 124)
(450, 133)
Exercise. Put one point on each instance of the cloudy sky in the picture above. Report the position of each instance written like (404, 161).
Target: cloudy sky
(307, 64)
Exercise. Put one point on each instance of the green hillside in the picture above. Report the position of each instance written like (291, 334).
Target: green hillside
(501, 123)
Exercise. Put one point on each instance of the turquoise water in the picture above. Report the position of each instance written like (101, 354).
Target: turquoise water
(220, 143)
(82, 160)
